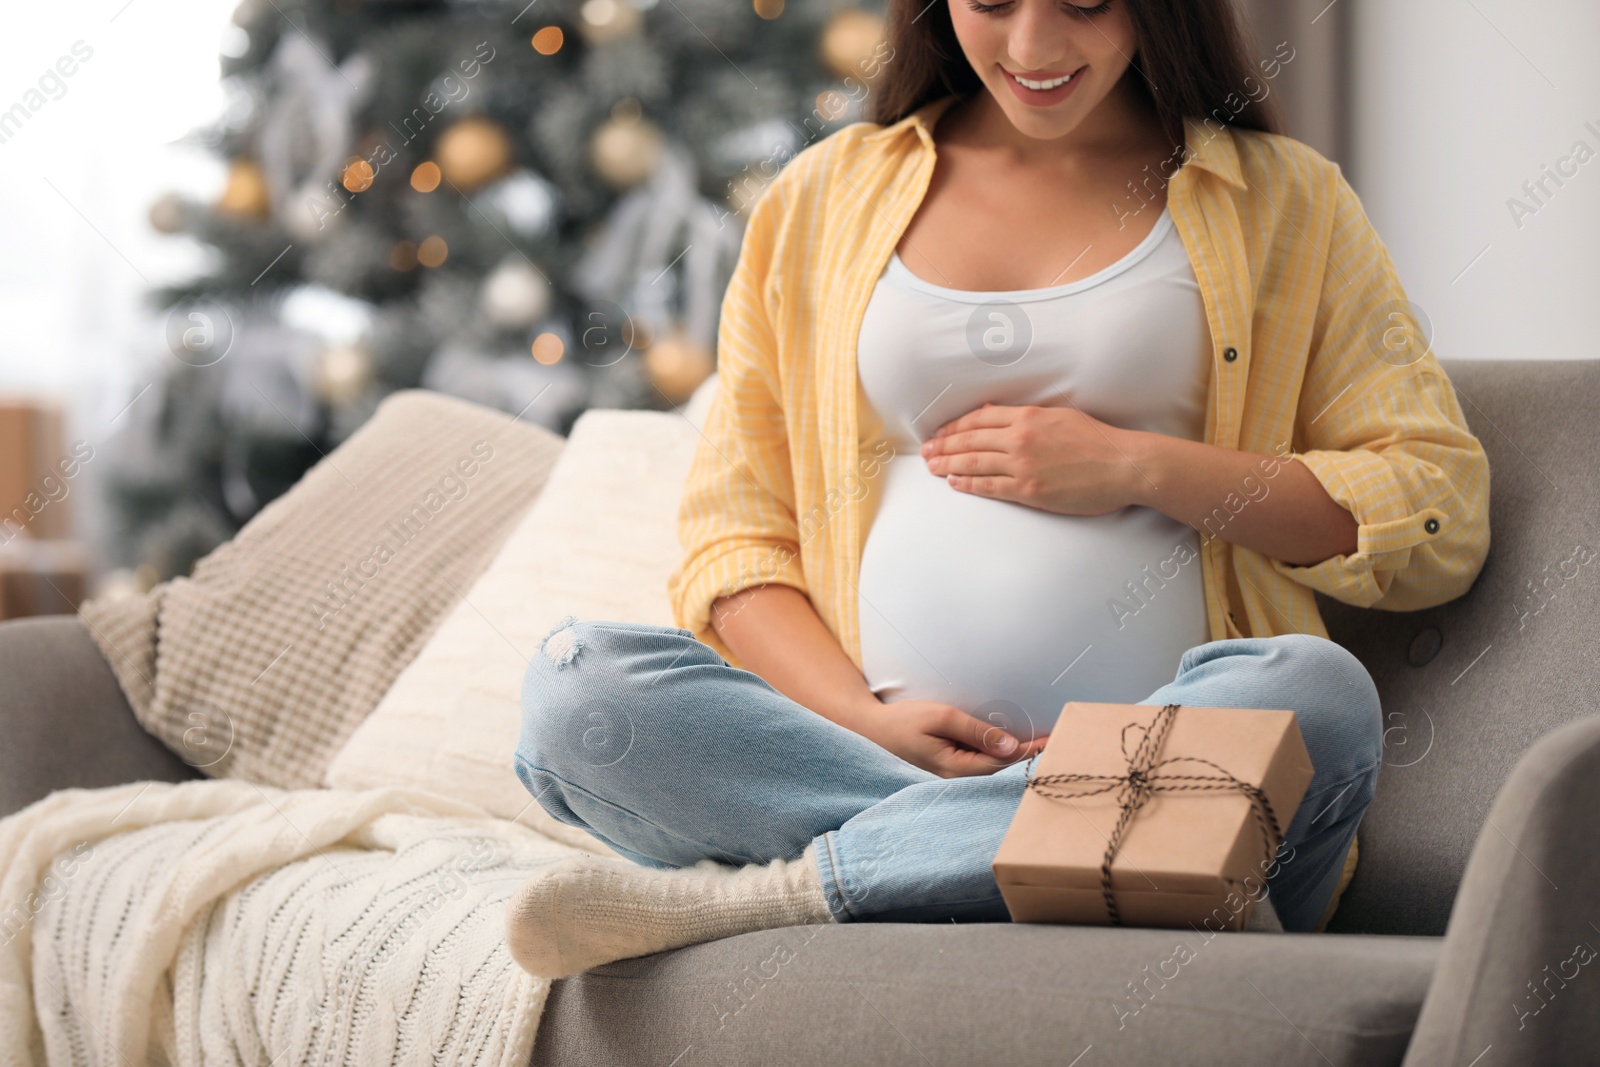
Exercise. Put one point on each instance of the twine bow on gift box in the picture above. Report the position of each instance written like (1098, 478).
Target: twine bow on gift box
(1134, 789)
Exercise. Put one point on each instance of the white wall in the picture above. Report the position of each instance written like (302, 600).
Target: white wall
(1454, 105)
(78, 177)
(76, 183)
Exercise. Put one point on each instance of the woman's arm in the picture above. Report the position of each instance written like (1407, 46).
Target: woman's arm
(1380, 426)
(736, 516)
(776, 632)
(1288, 514)
(1064, 460)
(1388, 505)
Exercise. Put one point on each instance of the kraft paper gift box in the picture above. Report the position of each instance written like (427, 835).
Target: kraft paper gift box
(1190, 802)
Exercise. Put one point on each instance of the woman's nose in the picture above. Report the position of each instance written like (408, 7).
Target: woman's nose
(1037, 40)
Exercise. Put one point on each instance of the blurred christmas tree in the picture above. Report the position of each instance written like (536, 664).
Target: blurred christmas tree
(534, 206)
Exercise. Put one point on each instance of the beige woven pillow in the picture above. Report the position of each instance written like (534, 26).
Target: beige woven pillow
(599, 544)
(263, 662)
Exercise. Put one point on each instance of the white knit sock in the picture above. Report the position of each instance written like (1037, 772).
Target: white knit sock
(583, 911)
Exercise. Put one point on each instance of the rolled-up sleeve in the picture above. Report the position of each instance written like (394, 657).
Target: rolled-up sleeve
(1386, 437)
(736, 518)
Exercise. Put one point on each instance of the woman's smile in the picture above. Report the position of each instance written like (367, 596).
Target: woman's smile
(1045, 90)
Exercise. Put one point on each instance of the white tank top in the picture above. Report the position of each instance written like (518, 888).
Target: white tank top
(1004, 610)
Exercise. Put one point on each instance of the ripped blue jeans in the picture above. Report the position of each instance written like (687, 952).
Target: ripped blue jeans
(648, 739)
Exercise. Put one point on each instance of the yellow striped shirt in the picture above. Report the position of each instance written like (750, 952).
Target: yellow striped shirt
(1308, 322)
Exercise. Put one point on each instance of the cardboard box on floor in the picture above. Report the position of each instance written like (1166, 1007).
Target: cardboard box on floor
(33, 493)
(42, 577)
(1190, 855)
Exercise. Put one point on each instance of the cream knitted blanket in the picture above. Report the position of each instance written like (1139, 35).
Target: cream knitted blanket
(221, 922)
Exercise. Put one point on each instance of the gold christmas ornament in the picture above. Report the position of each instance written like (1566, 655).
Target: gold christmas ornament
(343, 374)
(677, 364)
(768, 9)
(169, 214)
(472, 153)
(245, 194)
(625, 151)
(607, 20)
(848, 41)
(515, 296)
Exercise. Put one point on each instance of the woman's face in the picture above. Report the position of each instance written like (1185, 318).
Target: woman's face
(1043, 41)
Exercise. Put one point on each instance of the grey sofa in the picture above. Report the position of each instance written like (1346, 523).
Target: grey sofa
(1466, 938)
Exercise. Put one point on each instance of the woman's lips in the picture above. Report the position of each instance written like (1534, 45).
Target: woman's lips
(1042, 97)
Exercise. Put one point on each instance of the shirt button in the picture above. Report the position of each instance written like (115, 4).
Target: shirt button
(1432, 526)
(1230, 354)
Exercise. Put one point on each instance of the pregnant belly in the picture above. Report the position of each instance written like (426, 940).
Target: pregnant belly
(1007, 612)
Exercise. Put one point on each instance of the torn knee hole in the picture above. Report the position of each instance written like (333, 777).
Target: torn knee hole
(561, 644)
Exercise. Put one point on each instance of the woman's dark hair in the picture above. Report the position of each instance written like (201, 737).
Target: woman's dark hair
(1192, 62)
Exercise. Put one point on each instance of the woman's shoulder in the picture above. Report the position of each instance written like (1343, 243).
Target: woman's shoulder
(1297, 214)
(1288, 193)
(1276, 165)
(850, 148)
(857, 159)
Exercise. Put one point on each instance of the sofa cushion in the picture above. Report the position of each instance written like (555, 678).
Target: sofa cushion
(1468, 686)
(261, 663)
(996, 993)
(599, 543)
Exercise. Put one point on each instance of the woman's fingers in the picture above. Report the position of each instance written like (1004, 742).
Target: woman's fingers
(973, 732)
(976, 747)
(972, 463)
(965, 441)
(947, 741)
(988, 414)
(963, 762)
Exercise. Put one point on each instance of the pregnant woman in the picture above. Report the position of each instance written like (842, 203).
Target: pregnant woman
(1066, 378)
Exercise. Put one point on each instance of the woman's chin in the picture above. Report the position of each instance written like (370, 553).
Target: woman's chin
(1040, 123)
(1040, 128)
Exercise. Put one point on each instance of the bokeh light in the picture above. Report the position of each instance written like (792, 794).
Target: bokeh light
(425, 178)
(548, 348)
(547, 42)
(433, 251)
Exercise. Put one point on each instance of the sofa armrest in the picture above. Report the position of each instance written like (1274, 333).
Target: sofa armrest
(64, 719)
(1519, 969)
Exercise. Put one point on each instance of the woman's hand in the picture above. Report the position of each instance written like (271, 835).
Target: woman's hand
(941, 738)
(1057, 459)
